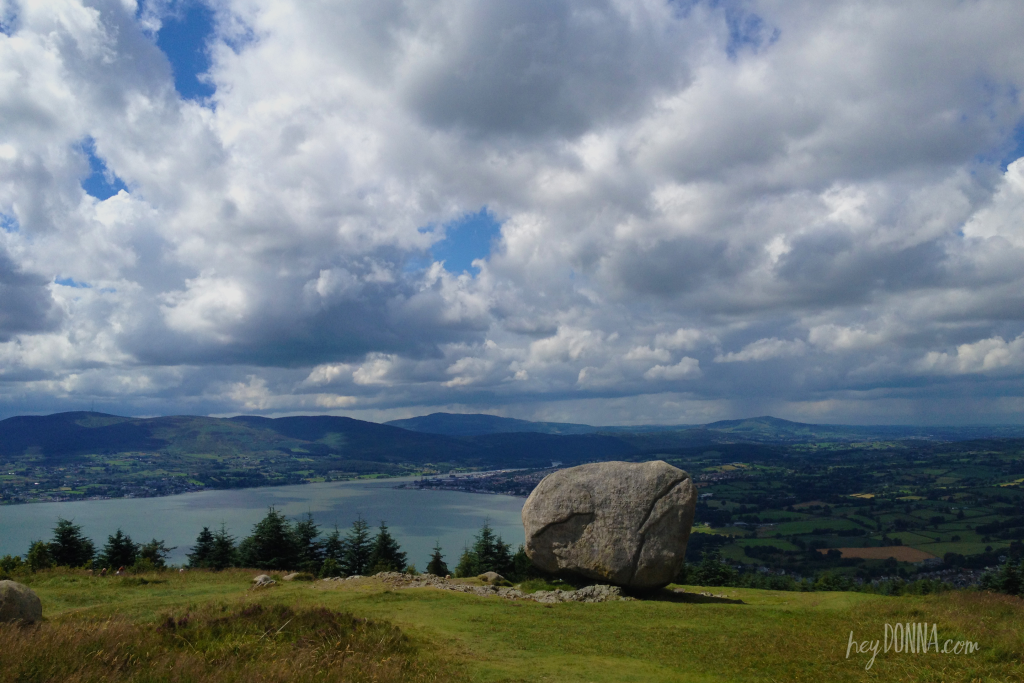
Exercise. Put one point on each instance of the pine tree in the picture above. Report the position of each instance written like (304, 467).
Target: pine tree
(309, 548)
(468, 565)
(120, 551)
(357, 548)
(334, 555)
(492, 555)
(201, 551)
(385, 554)
(271, 545)
(155, 552)
(223, 553)
(436, 566)
(522, 566)
(69, 548)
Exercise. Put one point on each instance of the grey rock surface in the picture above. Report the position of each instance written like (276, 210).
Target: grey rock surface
(400, 580)
(262, 581)
(616, 522)
(18, 602)
(491, 577)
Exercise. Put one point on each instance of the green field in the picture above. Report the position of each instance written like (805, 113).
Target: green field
(767, 636)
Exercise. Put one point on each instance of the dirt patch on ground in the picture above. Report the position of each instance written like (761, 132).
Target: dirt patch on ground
(903, 553)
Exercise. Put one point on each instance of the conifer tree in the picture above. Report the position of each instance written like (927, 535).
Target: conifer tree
(69, 547)
(202, 550)
(492, 555)
(468, 565)
(119, 551)
(309, 548)
(334, 554)
(271, 545)
(223, 553)
(522, 566)
(385, 554)
(357, 548)
(156, 552)
(436, 565)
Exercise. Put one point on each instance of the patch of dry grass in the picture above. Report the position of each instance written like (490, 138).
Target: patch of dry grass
(245, 642)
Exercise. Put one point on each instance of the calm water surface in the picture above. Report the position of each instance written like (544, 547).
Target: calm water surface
(415, 518)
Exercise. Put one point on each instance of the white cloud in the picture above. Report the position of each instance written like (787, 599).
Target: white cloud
(842, 338)
(764, 349)
(664, 188)
(646, 353)
(682, 339)
(687, 368)
(986, 355)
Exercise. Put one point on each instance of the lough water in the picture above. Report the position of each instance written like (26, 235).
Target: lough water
(416, 518)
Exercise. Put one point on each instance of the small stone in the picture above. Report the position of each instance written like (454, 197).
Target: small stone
(263, 581)
(18, 602)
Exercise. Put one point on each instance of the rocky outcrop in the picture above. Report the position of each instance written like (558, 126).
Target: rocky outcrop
(263, 581)
(18, 602)
(399, 580)
(616, 522)
(493, 578)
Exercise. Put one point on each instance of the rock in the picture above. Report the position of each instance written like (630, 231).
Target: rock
(298, 576)
(399, 580)
(616, 522)
(491, 577)
(262, 581)
(18, 602)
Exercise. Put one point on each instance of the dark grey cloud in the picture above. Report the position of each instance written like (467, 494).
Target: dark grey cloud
(544, 68)
(25, 302)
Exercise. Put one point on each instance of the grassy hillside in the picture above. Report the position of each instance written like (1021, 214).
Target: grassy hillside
(451, 424)
(71, 456)
(117, 629)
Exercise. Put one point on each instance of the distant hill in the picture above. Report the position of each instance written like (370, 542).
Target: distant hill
(85, 454)
(458, 424)
(762, 430)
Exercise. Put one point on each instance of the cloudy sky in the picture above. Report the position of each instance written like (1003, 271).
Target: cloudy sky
(602, 211)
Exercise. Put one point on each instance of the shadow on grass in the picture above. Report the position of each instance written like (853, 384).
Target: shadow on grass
(678, 595)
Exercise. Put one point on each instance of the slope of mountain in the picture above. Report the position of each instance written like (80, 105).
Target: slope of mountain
(451, 424)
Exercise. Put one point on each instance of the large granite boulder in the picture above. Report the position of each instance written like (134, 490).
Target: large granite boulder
(19, 603)
(617, 522)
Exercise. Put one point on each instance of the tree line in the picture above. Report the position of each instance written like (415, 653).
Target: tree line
(275, 544)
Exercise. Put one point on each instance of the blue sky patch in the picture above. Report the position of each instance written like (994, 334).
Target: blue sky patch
(102, 183)
(9, 223)
(467, 238)
(69, 282)
(183, 37)
(746, 29)
(1016, 150)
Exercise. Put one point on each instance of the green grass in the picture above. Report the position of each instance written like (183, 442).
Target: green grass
(427, 634)
(962, 547)
(808, 526)
(780, 543)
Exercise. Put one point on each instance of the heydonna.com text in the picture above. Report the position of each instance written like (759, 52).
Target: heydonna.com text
(909, 638)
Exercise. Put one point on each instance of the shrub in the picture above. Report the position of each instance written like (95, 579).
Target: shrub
(11, 566)
(39, 556)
